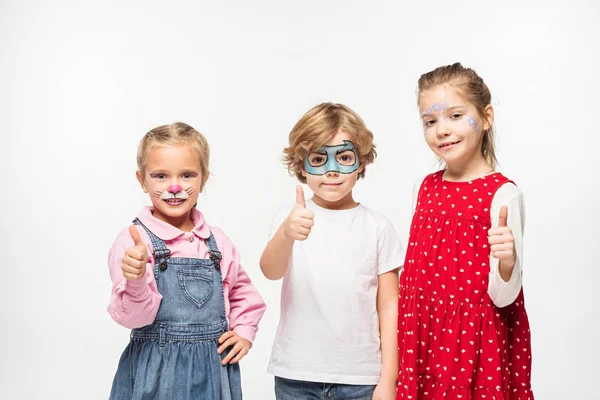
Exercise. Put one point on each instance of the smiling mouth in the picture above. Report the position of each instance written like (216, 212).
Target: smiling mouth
(174, 202)
(332, 184)
(441, 146)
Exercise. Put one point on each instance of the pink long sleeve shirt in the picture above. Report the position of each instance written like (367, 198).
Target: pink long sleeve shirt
(134, 303)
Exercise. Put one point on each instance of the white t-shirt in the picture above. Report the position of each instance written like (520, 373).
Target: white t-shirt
(502, 293)
(329, 329)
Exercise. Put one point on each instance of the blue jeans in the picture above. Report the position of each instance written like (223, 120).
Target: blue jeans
(289, 389)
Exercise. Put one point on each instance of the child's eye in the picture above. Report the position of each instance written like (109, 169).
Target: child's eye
(188, 176)
(346, 158)
(429, 122)
(316, 160)
(158, 176)
(455, 116)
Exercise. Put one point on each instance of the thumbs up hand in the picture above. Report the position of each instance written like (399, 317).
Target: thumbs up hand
(135, 258)
(502, 241)
(299, 222)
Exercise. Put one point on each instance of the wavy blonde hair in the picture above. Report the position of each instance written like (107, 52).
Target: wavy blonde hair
(316, 128)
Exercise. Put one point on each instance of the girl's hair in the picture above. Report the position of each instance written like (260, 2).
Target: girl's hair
(473, 89)
(175, 134)
(316, 128)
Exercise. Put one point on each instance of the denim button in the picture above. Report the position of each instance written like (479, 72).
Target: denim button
(163, 266)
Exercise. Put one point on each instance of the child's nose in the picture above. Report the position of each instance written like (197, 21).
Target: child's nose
(443, 129)
(174, 189)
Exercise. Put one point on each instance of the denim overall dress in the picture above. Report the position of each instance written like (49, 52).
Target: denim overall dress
(176, 356)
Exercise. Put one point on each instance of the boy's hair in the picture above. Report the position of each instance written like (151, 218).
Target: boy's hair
(175, 134)
(473, 89)
(316, 128)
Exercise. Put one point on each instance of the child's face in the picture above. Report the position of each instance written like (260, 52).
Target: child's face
(334, 186)
(173, 178)
(453, 128)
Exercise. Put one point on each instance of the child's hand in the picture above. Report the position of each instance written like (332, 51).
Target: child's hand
(136, 257)
(241, 347)
(298, 224)
(385, 390)
(502, 241)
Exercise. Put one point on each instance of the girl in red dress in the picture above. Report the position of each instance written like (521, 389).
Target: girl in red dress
(463, 332)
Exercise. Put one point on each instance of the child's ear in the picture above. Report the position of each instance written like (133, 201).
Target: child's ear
(140, 178)
(488, 120)
(303, 172)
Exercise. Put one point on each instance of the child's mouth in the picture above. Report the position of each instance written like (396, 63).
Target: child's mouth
(174, 202)
(448, 145)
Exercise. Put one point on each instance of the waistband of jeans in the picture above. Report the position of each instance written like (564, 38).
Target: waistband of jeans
(165, 331)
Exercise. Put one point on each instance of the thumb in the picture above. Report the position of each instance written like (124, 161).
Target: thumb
(135, 235)
(503, 216)
(300, 197)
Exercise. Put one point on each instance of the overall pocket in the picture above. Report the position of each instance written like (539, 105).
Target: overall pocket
(196, 285)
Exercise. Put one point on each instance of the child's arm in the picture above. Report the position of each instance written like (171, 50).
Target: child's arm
(246, 310)
(390, 258)
(134, 302)
(245, 305)
(276, 255)
(506, 241)
(387, 310)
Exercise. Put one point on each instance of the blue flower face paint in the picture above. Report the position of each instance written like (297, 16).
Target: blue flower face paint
(439, 107)
(473, 123)
(341, 158)
(438, 110)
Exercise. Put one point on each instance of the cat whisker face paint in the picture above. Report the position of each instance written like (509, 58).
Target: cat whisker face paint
(174, 195)
(173, 177)
(340, 158)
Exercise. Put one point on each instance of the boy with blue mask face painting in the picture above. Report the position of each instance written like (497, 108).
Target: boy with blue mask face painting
(340, 158)
(339, 261)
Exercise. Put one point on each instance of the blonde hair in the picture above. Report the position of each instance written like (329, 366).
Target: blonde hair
(316, 128)
(175, 134)
(474, 90)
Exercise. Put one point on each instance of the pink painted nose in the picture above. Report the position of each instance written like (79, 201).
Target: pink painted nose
(174, 189)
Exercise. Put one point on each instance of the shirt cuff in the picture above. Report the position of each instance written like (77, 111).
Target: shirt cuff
(501, 292)
(245, 332)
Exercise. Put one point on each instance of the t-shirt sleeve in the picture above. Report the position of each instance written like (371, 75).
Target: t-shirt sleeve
(391, 253)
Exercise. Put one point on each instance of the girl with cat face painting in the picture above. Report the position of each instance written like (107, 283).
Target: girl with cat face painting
(178, 283)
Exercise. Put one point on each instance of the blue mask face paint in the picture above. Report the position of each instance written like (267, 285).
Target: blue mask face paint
(341, 158)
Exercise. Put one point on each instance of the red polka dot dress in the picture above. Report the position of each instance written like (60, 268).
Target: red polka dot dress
(454, 343)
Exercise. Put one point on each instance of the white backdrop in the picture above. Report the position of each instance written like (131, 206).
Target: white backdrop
(81, 82)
